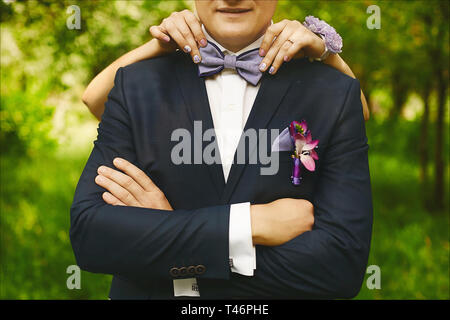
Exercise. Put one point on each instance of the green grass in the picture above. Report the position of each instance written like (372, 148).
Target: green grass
(36, 251)
(409, 244)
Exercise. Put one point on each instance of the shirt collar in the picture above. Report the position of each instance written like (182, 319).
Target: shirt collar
(253, 45)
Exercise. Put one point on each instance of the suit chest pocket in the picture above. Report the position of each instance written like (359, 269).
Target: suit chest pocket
(277, 182)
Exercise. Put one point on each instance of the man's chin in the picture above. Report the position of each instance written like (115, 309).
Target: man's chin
(233, 26)
(235, 36)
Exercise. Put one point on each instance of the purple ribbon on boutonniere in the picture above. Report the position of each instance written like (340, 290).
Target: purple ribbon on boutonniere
(298, 138)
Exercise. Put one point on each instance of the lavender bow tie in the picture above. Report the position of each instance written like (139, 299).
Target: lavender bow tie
(214, 61)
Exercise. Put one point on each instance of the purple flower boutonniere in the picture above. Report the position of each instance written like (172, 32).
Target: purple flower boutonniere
(304, 153)
(298, 138)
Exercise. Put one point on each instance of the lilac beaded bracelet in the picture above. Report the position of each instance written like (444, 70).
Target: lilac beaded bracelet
(333, 41)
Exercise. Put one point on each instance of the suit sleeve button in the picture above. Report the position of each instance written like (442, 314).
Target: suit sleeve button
(191, 270)
(183, 271)
(174, 272)
(200, 269)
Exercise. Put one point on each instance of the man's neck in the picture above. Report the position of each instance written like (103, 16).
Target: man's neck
(233, 45)
(236, 47)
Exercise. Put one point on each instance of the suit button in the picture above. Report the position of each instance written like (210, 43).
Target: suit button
(183, 271)
(174, 272)
(191, 270)
(200, 269)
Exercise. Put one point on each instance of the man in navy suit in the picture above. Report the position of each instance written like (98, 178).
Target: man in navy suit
(222, 229)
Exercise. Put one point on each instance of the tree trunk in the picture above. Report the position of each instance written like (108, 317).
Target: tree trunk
(423, 149)
(441, 72)
(399, 92)
(439, 161)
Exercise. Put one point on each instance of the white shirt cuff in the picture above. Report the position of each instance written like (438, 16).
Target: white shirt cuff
(241, 250)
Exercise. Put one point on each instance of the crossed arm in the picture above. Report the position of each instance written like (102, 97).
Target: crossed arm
(293, 259)
(269, 227)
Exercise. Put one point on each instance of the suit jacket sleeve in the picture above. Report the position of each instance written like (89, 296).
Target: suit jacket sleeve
(139, 243)
(330, 260)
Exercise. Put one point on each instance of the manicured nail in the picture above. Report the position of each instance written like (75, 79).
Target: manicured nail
(196, 59)
(271, 70)
(166, 38)
(262, 52)
(203, 42)
(286, 58)
(187, 48)
(100, 179)
(101, 169)
(262, 67)
(118, 161)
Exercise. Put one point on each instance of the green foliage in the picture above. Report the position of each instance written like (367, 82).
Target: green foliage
(25, 122)
(399, 58)
(409, 245)
(46, 133)
(34, 224)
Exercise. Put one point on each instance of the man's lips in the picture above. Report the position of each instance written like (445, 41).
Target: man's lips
(233, 10)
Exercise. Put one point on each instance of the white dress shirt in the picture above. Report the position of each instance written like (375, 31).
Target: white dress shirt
(230, 99)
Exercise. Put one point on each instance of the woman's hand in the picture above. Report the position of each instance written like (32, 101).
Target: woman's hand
(181, 29)
(292, 40)
(130, 188)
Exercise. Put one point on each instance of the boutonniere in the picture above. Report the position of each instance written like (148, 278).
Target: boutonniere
(304, 152)
(298, 138)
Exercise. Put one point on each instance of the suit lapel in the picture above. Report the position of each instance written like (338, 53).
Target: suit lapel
(269, 97)
(194, 93)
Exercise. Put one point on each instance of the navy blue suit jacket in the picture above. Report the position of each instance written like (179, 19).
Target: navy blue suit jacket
(142, 247)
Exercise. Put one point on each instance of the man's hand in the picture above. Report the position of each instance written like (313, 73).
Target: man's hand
(280, 221)
(131, 188)
(272, 224)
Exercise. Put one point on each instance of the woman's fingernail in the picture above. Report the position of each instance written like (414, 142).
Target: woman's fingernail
(166, 38)
(262, 67)
(101, 169)
(196, 59)
(271, 70)
(203, 42)
(117, 161)
(187, 48)
(261, 52)
(286, 58)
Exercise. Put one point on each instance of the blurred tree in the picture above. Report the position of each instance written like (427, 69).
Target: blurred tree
(45, 66)
(432, 16)
(407, 55)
